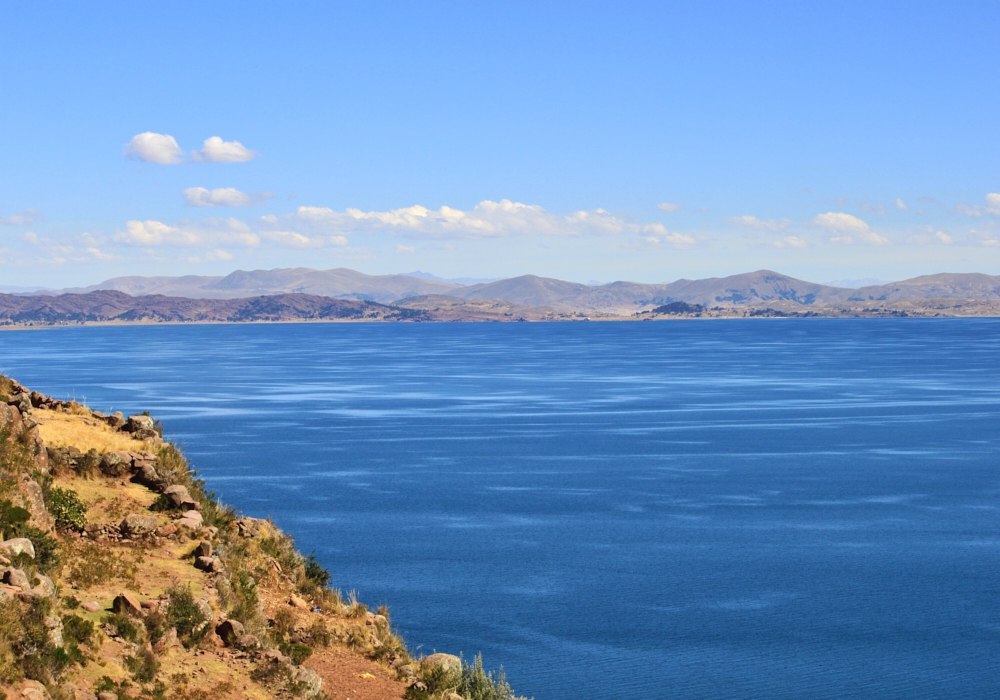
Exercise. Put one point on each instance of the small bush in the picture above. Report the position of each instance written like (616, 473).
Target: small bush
(316, 573)
(143, 666)
(77, 629)
(66, 508)
(92, 564)
(298, 653)
(184, 615)
(125, 627)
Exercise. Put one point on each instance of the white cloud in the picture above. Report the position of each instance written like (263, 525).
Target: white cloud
(400, 248)
(220, 197)
(669, 207)
(150, 147)
(215, 150)
(209, 233)
(21, 218)
(291, 239)
(488, 219)
(764, 224)
(853, 229)
(900, 204)
(790, 242)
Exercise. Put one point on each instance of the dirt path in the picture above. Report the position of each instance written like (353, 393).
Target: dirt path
(348, 676)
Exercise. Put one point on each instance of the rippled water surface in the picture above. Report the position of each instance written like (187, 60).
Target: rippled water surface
(685, 510)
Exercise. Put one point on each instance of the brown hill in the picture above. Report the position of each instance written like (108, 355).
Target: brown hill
(113, 306)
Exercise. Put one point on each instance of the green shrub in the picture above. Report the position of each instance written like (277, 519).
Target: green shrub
(66, 508)
(185, 616)
(246, 603)
(126, 627)
(77, 629)
(298, 653)
(143, 666)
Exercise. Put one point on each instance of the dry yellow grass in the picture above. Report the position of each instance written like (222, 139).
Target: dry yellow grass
(82, 431)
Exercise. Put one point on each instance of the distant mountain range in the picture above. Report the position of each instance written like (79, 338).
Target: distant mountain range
(752, 288)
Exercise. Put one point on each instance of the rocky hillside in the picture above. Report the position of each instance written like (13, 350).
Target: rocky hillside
(122, 577)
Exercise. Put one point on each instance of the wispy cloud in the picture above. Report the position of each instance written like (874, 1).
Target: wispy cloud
(488, 219)
(21, 218)
(790, 242)
(900, 204)
(669, 207)
(753, 222)
(928, 235)
(221, 197)
(989, 207)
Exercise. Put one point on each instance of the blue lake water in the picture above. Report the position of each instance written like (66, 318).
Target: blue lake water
(686, 510)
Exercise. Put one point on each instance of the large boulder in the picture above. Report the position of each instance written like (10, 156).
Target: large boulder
(212, 565)
(229, 631)
(16, 578)
(192, 520)
(116, 420)
(204, 549)
(18, 545)
(308, 681)
(126, 603)
(116, 464)
(138, 422)
(448, 663)
(136, 525)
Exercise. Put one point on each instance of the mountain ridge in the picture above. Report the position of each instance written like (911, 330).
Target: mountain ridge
(760, 286)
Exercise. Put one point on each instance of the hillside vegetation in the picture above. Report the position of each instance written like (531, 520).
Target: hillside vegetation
(123, 577)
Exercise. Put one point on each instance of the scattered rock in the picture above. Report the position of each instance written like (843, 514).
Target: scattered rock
(297, 602)
(127, 603)
(247, 642)
(91, 606)
(148, 476)
(212, 565)
(166, 530)
(18, 545)
(204, 549)
(116, 420)
(192, 520)
(107, 695)
(249, 527)
(136, 525)
(150, 604)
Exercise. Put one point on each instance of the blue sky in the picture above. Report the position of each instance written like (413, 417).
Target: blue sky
(583, 141)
